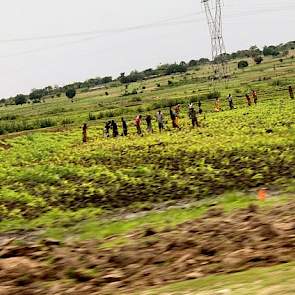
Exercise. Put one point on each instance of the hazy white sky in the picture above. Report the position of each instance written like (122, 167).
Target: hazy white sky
(37, 63)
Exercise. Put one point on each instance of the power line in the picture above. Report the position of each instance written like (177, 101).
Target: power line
(90, 36)
(130, 28)
(97, 32)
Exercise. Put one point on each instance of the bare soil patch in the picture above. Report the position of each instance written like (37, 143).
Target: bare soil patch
(216, 243)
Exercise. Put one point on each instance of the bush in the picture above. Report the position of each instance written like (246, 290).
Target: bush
(47, 122)
(8, 117)
(67, 121)
(258, 60)
(243, 64)
(213, 95)
(91, 117)
(71, 93)
(135, 99)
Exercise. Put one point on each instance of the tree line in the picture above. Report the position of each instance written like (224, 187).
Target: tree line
(39, 95)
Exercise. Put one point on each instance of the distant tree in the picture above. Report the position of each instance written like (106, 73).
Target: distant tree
(270, 50)
(36, 95)
(107, 79)
(285, 53)
(175, 68)
(20, 99)
(192, 63)
(243, 64)
(254, 51)
(71, 93)
(203, 61)
(258, 59)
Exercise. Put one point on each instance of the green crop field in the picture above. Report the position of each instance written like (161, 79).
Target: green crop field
(234, 150)
(145, 195)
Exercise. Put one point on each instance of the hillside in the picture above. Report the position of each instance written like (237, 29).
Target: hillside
(75, 214)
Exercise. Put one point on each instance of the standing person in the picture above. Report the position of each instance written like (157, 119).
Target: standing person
(124, 127)
(160, 119)
(173, 118)
(84, 133)
(148, 120)
(115, 129)
(200, 107)
(255, 98)
(107, 129)
(230, 102)
(217, 105)
(137, 123)
(177, 112)
(248, 100)
(291, 93)
(193, 117)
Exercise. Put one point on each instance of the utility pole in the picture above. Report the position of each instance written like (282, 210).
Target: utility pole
(214, 18)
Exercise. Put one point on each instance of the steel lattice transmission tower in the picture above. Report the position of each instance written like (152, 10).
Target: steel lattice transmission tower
(214, 17)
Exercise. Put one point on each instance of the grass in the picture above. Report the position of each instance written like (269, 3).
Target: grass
(272, 280)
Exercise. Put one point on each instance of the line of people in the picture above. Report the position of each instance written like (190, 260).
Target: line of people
(249, 101)
(174, 116)
(111, 127)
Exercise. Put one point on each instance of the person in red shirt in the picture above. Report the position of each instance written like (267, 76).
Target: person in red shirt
(254, 95)
(248, 99)
(137, 122)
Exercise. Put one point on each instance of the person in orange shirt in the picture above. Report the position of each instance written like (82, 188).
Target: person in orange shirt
(217, 105)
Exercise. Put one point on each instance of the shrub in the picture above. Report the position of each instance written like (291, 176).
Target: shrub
(67, 121)
(71, 93)
(8, 117)
(213, 95)
(258, 59)
(135, 99)
(243, 64)
(47, 122)
(91, 117)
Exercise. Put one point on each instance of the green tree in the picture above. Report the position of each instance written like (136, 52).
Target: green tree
(20, 99)
(36, 95)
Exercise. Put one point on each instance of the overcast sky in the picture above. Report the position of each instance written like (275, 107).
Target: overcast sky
(168, 31)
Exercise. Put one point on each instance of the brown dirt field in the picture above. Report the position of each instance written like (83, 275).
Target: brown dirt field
(216, 243)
